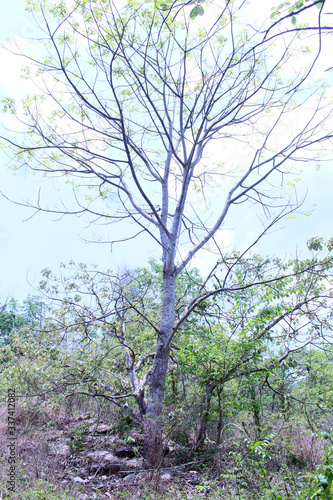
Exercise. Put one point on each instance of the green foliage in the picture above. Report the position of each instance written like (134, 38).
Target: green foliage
(207, 486)
(167, 5)
(198, 10)
(232, 342)
(162, 4)
(8, 104)
(77, 437)
(293, 9)
(43, 490)
(13, 317)
(315, 244)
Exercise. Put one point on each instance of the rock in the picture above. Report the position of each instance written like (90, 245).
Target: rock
(119, 442)
(110, 458)
(95, 455)
(166, 477)
(107, 463)
(78, 480)
(104, 462)
(129, 479)
(124, 451)
(85, 416)
(112, 440)
(100, 429)
(112, 468)
(105, 468)
(134, 463)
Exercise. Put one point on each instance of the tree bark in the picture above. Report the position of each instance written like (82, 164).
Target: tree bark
(220, 393)
(153, 422)
(201, 427)
(255, 404)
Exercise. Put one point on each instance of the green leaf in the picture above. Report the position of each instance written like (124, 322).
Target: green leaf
(193, 13)
(272, 15)
(196, 11)
(323, 482)
(294, 20)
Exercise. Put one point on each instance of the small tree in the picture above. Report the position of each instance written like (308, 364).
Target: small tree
(136, 105)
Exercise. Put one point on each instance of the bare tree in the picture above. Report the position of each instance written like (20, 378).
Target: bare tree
(151, 114)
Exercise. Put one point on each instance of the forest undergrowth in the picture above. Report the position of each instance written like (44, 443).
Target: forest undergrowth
(55, 447)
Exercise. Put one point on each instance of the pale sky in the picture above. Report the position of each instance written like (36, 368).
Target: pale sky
(27, 246)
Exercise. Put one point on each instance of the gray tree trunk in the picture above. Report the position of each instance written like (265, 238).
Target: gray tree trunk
(153, 421)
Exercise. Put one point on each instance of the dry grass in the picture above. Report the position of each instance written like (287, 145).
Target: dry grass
(32, 450)
(39, 469)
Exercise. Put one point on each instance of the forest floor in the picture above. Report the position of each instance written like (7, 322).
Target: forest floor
(78, 457)
(67, 457)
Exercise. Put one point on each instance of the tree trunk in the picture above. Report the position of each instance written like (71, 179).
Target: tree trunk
(153, 421)
(174, 385)
(220, 393)
(256, 407)
(201, 427)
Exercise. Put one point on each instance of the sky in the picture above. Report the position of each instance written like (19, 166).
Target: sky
(30, 243)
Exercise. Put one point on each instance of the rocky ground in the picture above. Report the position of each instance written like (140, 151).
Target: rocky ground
(79, 454)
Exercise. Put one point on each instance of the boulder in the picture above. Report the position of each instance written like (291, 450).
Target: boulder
(131, 478)
(78, 480)
(104, 462)
(119, 442)
(124, 451)
(134, 463)
(166, 477)
(100, 429)
(111, 459)
(105, 468)
(96, 455)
